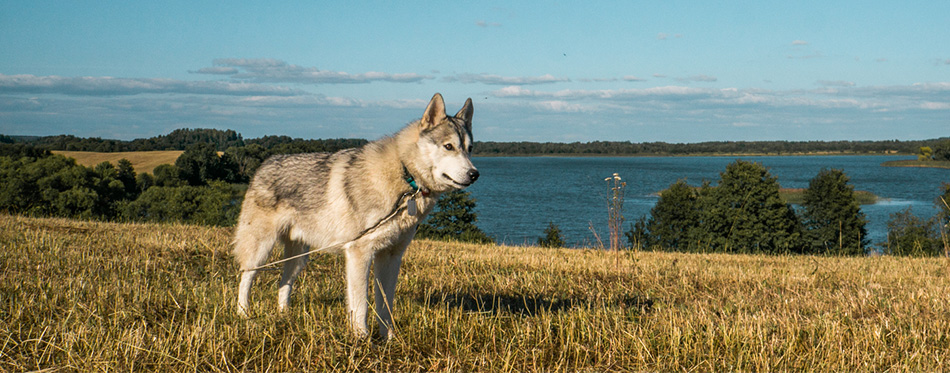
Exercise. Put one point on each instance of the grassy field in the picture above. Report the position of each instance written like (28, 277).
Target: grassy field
(141, 161)
(87, 296)
(797, 196)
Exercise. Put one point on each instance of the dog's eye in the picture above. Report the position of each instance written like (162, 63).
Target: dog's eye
(469, 148)
(449, 147)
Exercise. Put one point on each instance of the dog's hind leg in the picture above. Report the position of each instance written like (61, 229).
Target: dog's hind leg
(292, 268)
(252, 245)
(358, 261)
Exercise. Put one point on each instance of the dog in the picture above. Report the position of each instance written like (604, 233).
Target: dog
(365, 203)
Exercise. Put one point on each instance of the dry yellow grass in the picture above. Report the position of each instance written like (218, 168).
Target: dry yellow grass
(141, 161)
(87, 296)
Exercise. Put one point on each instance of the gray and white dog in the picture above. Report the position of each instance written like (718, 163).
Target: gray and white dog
(364, 202)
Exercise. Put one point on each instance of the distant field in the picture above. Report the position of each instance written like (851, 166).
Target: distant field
(797, 196)
(141, 161)
(93, 296)
(913, 163)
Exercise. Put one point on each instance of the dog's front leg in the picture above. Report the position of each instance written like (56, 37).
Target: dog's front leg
(358, 260)
(386, 265)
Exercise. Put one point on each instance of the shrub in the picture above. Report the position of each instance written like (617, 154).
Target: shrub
(552, 237)
(910, 235)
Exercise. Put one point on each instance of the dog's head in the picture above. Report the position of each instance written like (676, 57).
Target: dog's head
(445, 144)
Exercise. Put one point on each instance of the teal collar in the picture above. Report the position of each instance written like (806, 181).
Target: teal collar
(412, 182)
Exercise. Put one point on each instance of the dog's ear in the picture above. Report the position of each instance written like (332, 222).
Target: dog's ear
(435, 112)
(466, 113)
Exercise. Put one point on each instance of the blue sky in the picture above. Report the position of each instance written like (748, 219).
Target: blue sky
(674, 71)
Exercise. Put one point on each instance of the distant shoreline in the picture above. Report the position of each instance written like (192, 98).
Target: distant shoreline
(588, 155)
(917, 164)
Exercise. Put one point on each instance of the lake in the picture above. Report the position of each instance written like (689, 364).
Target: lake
(518, 196)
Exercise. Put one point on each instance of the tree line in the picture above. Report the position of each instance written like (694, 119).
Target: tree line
(223, 139)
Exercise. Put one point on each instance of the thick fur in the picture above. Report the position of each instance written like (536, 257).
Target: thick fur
(320, 200)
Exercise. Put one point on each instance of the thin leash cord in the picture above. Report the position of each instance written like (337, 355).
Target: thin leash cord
(396, 210)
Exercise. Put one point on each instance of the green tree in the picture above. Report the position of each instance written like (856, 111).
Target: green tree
(200, 164)
(832, 216)
(453, 219)
(126, 175)
(941, 151)
(673, 216)
(214, 204)
(910, 235)
(745, 214)
(166, 175)
(552, 237)
(925, 153)
(109, 189)
(247, 159)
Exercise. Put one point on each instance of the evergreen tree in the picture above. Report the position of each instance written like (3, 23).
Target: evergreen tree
(745, 214)
(126, 175)
(673, 216)
(552, 237)
(453, 219)
(833, 219)
(199, 164)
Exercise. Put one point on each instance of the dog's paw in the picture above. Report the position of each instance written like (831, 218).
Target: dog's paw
(361, 333)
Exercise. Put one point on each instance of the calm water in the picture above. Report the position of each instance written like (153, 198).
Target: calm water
(518, 197)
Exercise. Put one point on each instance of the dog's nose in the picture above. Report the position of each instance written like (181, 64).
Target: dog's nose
(473, 175)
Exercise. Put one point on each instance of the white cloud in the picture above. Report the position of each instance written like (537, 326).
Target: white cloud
(109, 86)
(491, 79)
(267, 70)
(935, 105)
(799, 42)
(936, 96)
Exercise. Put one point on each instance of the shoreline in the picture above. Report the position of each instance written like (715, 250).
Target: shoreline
(585, 155)
(917, 164)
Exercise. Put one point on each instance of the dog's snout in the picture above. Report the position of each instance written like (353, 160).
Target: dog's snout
(473, 175)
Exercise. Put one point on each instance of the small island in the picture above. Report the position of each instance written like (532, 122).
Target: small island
(937, 156)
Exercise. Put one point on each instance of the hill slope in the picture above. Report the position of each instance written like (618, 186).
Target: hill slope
(103, 296)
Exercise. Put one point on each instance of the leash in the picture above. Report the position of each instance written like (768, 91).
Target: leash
(410, 207)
